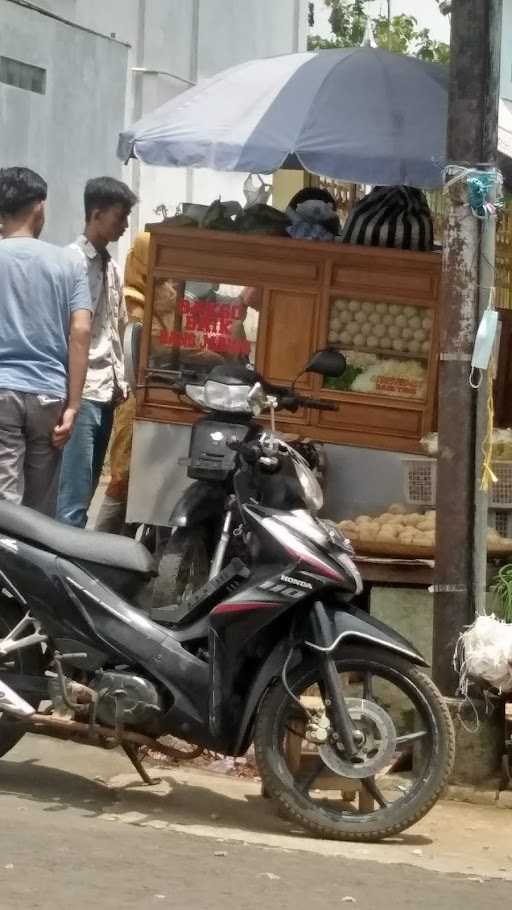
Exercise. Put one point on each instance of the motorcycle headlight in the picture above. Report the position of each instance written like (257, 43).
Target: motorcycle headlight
(311, 489)
(220, 397)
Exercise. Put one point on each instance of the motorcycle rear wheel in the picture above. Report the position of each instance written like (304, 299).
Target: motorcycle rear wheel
(28, 661)
(372, 808)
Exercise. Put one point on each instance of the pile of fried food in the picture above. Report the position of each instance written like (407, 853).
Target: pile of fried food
(398, 526)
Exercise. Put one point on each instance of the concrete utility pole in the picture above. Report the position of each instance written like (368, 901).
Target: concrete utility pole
(461, 508)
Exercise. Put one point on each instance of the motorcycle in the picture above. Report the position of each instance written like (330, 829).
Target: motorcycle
(205, 528)
(351, 737)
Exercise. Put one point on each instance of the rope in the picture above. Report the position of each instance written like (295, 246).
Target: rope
(488, 476)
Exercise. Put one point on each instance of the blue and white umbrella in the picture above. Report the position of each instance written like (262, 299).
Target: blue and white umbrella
(358, 114)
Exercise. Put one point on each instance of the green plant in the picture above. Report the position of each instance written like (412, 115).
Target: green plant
(502, 591)
(401, 34)
(343, 383)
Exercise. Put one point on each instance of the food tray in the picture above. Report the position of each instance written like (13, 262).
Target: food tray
(406, 551)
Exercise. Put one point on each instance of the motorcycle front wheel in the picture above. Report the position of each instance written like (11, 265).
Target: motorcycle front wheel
(183, 567)
(406, 747)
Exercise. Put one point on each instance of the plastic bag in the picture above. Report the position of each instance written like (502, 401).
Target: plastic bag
(262, 219)
(484, 652)
(254, 194)
(312, 220)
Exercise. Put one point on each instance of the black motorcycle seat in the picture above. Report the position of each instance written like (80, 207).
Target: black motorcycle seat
(75, 543)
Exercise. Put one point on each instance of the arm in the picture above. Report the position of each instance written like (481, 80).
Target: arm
(79, 338)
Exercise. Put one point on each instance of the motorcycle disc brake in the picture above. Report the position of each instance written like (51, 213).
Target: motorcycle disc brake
(377, 749)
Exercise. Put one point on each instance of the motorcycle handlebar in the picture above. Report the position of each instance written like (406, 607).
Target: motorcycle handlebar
(291, 402)
(176, 381)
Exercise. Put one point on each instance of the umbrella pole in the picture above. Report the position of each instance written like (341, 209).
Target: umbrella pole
(461, 507)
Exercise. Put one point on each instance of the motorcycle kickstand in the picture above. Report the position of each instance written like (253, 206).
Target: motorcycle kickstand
(133, 754)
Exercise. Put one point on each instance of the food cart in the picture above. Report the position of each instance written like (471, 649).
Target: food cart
(379, 306)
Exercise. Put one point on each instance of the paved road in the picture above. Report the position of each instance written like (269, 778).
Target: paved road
(64, 860)
(72, 838)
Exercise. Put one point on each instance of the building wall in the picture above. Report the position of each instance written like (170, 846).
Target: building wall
(62, 133)
(506, 51)
(191, 39)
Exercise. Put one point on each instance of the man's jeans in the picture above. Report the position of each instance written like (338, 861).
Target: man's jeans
(29, 463)
(83, 461)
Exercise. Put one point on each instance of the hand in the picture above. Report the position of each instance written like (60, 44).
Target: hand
(64, 428)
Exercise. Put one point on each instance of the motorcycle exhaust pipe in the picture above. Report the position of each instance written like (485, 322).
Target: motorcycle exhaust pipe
(12, 703)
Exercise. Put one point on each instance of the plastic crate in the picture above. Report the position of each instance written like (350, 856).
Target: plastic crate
(420, 478)
(501, 520)
(500, 494)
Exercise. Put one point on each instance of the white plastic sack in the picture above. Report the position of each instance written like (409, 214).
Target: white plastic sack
(484, 651)
(255, 194)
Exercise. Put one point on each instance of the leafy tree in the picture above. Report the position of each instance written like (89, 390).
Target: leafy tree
(402, 36)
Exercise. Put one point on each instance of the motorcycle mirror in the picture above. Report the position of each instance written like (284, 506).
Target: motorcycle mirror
(131, 344)
(328, 363)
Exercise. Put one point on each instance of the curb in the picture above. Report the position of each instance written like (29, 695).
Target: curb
(480, 796)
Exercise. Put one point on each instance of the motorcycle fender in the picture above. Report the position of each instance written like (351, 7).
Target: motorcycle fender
(200, 502)
(355, 626)
(270, 670)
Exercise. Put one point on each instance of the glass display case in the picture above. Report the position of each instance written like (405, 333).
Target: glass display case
(387, 347)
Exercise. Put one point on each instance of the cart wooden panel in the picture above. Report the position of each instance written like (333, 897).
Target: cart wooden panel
(300, 283)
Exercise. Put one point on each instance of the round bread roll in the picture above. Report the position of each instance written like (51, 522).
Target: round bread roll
(412, 519)
(362, 520)
(367, 532)
(347, 525)
(387, 534)
(425, 526)
(397, 508)
(423, 540)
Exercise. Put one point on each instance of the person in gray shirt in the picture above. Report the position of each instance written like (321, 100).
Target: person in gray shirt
(45, 313)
